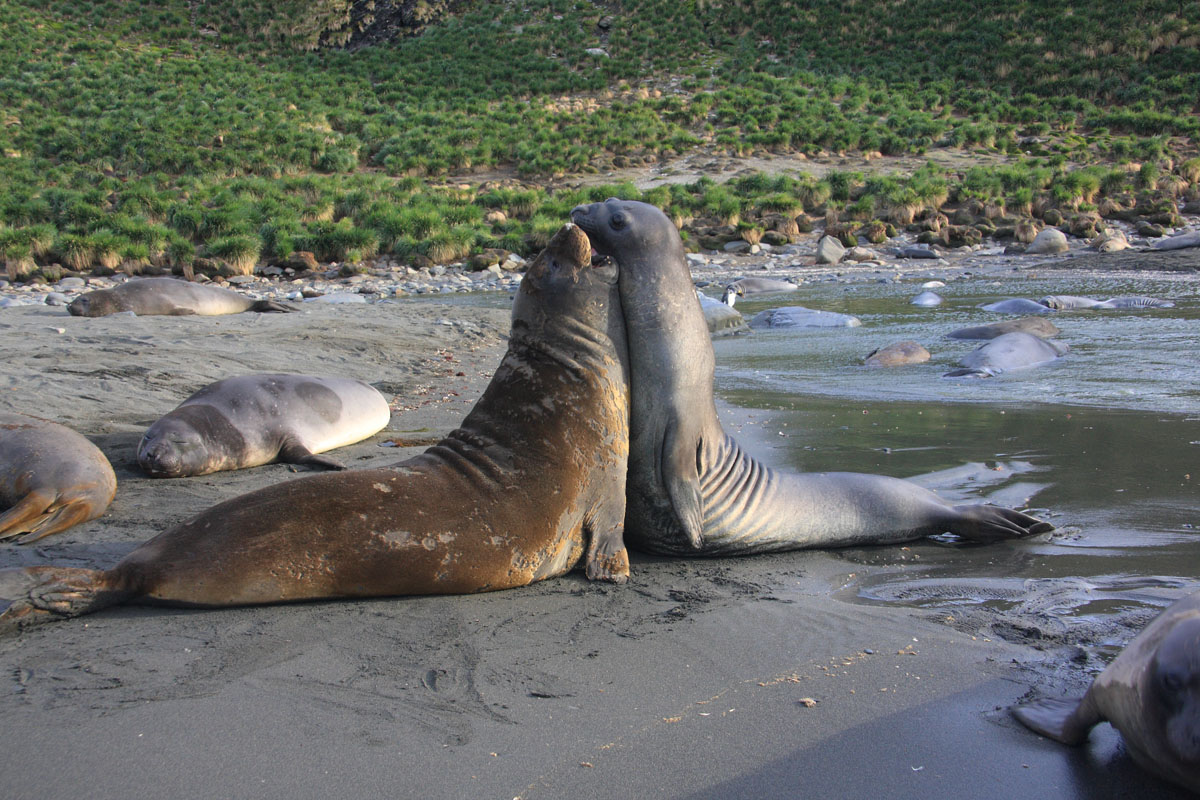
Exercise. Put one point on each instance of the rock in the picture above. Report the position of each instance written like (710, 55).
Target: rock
(495, 217)
(302, 259)
(597, 52)
(489, 257)
(830, 250)
(737, 246)
(70, 284)
(859, 254)
(1149, 230)
(56, 299)
(1049, 241)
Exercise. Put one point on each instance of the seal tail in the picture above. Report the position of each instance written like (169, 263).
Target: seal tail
(47, 594)
(262, 306)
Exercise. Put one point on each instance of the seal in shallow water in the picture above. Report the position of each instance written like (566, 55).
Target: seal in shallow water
(691, 487)
(531, 483)
(256, 419)
(1038, 326)
(50, 478)
(1150, 693)
(151, 296)
(1006, 353)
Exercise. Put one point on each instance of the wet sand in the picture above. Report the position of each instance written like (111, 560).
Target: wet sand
(699, 678)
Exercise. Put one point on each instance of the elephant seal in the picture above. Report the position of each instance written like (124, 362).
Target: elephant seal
(1017, 305)
(927, 299)
(1006, 353)
(691, 487)
(1178, 242)
(148, 296)
(801, 317)
(256, 419)
(721, 317)
(50, 478)
(1069, 302)
(531, 483)
(744, 286)
(898, 354)
(1150, 693)
(1038, 326)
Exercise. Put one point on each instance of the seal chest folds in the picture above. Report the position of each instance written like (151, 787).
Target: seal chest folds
(531, 484)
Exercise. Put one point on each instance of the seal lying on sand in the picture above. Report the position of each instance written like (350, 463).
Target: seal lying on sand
(691, 488)
(1006, 353)
(50, 478)
(1150, 693)
(1070, 302)
(533, 481)
(148, 296)
(1038, 326)
(256, 419)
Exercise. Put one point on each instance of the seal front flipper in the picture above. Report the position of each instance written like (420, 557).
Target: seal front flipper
(292, 452)
(607, 559)
(1067, 720)
(680, 470)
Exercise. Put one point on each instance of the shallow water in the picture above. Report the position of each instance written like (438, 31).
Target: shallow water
(1104, 442)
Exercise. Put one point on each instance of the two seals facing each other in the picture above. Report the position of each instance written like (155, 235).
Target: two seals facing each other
(257, 419)
(530, 484)
(1150, 693)
(167, 296)
(50, 478)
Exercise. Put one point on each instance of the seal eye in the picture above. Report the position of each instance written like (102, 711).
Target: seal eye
(617, 220)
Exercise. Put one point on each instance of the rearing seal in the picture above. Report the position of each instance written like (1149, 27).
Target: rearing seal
(532, 482)
(691, 487)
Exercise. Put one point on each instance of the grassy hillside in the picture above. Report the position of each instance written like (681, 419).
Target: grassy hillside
(145, 133)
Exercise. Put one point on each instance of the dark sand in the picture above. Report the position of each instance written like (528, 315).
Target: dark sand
(699, 678)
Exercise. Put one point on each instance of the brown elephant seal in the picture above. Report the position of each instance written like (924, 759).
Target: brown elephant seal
(1150, 693)
(897, 354)
(256, 419)
(531, 483)
(1038, 326)
(1008, 352)
(691, 488)
(149, 296)
(50, 478)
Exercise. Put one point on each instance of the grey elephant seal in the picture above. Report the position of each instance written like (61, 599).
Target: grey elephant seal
(532, 483)
(1008, 352)
(1017, 305)
(746, 286)
(1038, 326)
(257, 419)
(50, 478)
(1150, 693)
(1068, 302)
(897, 354)
(691, 488)
(927, 299)
(801, 317)
(150, 296)
(721, 317)
(1178, 242)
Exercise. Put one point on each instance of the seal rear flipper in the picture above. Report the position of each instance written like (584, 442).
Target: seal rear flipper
(1063, 720)
(607, 559)
(270, 305)
(64, 517)
(987, 523)
(292, 452)
(680, 470)
(24, 515)
(46, 594)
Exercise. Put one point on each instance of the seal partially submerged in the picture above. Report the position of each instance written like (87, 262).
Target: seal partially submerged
(897, 354)
(1038, 326)
(721, 317)
(1006, 353)
(1150, 693)
(744, 286)
(532, 483)
(801, 317)
(50, 478)
(1070, 302)
(1017, 305)
(256, 419)
(691, 488)
(169, 296)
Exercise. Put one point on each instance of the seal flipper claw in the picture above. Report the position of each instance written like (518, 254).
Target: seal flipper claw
(987, 523)
(292, 452)
(607, 559)
(45, 594)
(681, 478)
(1063, 720)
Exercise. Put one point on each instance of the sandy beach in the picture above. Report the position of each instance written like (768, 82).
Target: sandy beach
(697, 679)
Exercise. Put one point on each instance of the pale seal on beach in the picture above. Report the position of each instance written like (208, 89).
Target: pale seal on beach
(721, 317)
(691, 488)
(1150, 693)
(1038, 326)
(801, 317)
(927, 299)
(1007, 352)
(1017, 305)
(169, 296)
(897, 354)
(50, 478)
(1068, 302)
(531, 484)
(257, 419)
